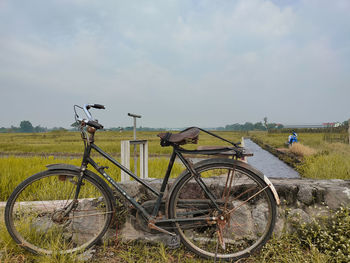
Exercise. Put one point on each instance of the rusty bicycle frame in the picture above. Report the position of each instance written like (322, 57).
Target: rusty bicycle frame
(88, 138)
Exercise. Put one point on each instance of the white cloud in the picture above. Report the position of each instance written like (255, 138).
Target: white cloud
(239, 60)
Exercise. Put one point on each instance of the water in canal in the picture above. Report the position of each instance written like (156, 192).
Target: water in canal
(267, 163)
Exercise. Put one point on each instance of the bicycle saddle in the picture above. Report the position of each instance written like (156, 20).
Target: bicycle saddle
(190, 135)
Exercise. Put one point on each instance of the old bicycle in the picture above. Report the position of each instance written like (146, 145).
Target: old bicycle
(219, 207)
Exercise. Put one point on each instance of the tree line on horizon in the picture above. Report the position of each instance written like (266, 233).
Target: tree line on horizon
(27, 127)
(249, 126)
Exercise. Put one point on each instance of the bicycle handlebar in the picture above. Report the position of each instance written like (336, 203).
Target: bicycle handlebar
(90, 121)
(88, 106)
(96, 106)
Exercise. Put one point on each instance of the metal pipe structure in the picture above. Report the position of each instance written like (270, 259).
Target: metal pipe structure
(135, 146)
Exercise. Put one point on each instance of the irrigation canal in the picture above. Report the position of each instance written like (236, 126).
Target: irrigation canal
(267, 163)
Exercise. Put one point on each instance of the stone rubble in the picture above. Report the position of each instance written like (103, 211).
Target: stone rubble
(305, 199)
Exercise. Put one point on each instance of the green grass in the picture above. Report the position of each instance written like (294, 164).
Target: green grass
(288, 249)
(323, 240)
(279, 140)
(60, 145)
(66, 143)
(14, 170)
(325, 166)
(141, 251)
(10, 252)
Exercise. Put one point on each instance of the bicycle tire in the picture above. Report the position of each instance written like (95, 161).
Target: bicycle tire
(243, 231)
(37, 219)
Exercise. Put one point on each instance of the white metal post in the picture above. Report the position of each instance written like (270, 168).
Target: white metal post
(144, 160)
(125, 159)
(135, 156)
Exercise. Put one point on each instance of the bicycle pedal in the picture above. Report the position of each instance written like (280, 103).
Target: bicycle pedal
(173, 242)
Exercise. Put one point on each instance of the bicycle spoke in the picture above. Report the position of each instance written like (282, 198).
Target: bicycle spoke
(54, 222)
(230, 175)
(243, 203)
(243, 221)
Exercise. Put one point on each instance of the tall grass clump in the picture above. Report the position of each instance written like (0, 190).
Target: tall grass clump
(326, 166)
(325, 239)
(330, 235)
(10, 252)
(288, 249)
(301, 150)
(340, 148)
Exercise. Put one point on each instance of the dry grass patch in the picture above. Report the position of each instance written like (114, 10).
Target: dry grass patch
(302, 150)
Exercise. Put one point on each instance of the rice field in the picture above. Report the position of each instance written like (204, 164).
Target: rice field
(61, 143)
(22, 155)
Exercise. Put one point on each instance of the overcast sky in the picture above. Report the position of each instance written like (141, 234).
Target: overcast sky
(177, 63)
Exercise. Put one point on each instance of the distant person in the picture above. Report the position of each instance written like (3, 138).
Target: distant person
(292, 138)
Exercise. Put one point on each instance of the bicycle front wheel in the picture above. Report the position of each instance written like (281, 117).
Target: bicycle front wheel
(226, 212)
(42, 216)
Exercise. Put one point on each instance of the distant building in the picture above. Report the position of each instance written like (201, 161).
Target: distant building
(331, 124)
(300, 126)
(279, 125)
(314, 126)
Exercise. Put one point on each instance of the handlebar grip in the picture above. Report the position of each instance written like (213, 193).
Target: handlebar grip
(95, 124)
(98, 106)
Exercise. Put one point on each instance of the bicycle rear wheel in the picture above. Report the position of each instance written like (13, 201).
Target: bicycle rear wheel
(42, 216)
(240, 223)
